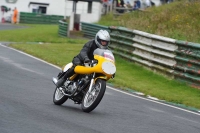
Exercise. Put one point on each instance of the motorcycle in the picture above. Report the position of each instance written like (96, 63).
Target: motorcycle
(87, 86)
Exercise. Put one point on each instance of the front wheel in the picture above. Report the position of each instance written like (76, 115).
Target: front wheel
(58, 97)
(93, 98)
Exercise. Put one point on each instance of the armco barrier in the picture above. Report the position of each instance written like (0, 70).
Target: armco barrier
(176, 58)
(63, 29)
(89, 30)
(188, 63)
(150, 50)
(35, 18)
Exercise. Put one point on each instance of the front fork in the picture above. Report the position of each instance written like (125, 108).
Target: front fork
(93, 76)
(91, 83)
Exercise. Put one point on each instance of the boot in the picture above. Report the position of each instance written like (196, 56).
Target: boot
(62, 80)
(59, 82)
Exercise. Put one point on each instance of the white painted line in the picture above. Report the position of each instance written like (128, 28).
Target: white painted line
(107, 86)
(153, 98)
(7, 60)
(139, 93)
(31, 56)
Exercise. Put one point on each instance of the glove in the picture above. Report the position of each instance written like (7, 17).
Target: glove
(87, 62)
(113, 76)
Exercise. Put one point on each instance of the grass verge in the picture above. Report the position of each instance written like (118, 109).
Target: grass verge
(179, 20)
(36, 33)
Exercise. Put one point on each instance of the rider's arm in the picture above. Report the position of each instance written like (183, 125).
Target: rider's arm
(85, 50)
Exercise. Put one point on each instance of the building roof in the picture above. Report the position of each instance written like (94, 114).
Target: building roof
(37, 3)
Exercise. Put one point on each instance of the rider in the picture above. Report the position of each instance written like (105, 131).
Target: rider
(102, 40)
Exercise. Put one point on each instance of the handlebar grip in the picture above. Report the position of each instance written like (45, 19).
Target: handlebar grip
(94, 61)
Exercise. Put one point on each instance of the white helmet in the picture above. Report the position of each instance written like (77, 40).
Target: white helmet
(102, 36)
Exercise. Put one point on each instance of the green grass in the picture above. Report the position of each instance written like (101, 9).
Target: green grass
(59, 54)
(36, 33)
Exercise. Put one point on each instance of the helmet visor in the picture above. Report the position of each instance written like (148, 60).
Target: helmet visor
(103, 42)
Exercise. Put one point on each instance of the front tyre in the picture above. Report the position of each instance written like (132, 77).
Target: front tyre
(93, 98)
(58, 97)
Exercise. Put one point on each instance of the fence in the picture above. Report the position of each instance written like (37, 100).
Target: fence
(175, 58)
(90, 30)
(63, 28)
(188, 63)
(150, 50)
(34, 18)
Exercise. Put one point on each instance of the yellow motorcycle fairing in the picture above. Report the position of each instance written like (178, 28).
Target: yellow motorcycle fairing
(105, 67)
(102, 77)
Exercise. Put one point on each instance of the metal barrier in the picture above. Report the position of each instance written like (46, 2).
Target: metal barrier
(178, 59)
(63, 29)
(188, 63)
(89, 30)
(35, 18)
(150, 50)
(175, 58)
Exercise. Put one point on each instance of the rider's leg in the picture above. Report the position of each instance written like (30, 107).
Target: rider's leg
(68, 74)
(76, 61)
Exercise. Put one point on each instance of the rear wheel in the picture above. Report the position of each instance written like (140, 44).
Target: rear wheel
(58, 97)
(93, 98)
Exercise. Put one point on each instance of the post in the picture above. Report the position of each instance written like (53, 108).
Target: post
(111, 6)
(65, 9)
(114, 7)
(107, 8)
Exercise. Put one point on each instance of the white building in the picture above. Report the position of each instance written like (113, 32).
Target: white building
(89, 10)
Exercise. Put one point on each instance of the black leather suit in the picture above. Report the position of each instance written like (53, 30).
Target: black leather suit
(85, 54)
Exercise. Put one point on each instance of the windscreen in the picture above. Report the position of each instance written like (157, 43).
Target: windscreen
(105, 53)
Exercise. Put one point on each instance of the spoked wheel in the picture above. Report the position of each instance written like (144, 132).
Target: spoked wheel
(93, 98)
(58, 97)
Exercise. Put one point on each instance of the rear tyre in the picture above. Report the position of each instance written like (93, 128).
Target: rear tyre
(59, 98)
(91, 100)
